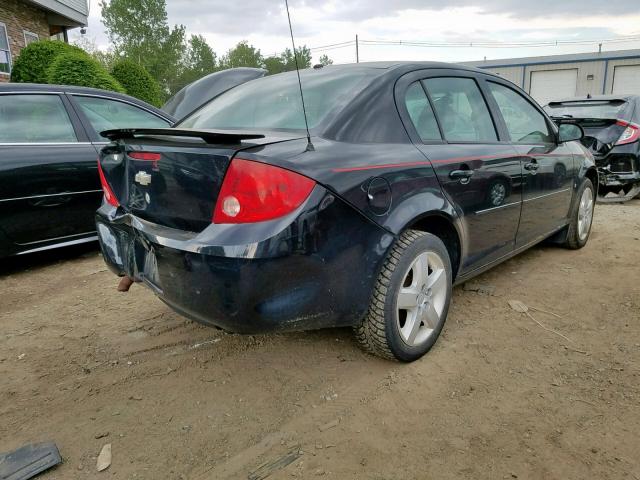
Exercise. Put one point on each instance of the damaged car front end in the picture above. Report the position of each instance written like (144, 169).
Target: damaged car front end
(612, 134)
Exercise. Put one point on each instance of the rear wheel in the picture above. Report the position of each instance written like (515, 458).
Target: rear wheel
(410, 300)
(582, 217)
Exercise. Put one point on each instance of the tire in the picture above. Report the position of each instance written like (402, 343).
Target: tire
(578, 232)
(386, 330)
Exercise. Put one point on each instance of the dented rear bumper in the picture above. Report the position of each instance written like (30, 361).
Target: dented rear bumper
(300, 272)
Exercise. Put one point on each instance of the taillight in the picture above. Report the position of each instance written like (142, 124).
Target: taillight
(109, 196)
(149, 156)
(255, 192)
(631, 132)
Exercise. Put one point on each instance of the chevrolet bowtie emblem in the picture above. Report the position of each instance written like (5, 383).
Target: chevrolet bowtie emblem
(143, 178)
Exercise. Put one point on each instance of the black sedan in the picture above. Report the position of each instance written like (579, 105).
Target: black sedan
(49, 142)
(415, 176)
(612, 133)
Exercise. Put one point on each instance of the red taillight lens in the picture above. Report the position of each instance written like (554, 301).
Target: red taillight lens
(255, 192)
(630, 134)
(149, 156)
(109, 196)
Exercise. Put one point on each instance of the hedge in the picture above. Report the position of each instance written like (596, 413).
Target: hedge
(82, 70)
(34, 60)
(137, 81)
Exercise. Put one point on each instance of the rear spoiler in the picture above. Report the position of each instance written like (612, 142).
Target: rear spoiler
(586, 100)
(209, 136)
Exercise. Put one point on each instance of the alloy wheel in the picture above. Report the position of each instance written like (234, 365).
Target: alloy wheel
(585, 213)
(421, 299)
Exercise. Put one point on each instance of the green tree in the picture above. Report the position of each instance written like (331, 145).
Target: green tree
(304, 58)
(34, 60)
(243, 55)
(200, 60)
(106, 58)
(78, 68)
(274, 64)
(325, 60)
(137, 82)
(285, 62)
(139, 31)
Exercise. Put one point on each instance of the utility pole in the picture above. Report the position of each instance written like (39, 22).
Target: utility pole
(357, 50)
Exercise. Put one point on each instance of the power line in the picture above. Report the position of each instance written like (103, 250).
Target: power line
(474, 44)
(337, 45)
(498, 44)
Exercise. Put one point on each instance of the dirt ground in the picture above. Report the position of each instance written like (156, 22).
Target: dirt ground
(499, 396)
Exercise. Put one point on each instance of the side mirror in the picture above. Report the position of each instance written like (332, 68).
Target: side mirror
(568, 132)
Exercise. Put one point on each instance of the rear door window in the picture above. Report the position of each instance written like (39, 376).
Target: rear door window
(34, 119)
(525, 123)
(421, 113)
(106, 114)
(461, 109)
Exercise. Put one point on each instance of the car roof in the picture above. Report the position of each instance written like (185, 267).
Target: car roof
(408, 66)
(46, 88)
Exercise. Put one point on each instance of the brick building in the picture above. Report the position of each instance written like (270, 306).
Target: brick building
(26, 21)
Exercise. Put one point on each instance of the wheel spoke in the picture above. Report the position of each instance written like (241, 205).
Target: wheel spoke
(412, 327)
(408, 298)
(430, 316)
(420, 271)
(436, 280)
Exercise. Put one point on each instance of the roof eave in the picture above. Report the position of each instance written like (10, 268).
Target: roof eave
(60, 14)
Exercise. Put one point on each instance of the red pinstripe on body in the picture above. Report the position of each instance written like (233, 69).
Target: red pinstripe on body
(442, 161)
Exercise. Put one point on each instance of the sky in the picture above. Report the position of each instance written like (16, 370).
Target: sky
(327, 22)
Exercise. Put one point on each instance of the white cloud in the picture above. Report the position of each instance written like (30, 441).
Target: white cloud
(263, 23)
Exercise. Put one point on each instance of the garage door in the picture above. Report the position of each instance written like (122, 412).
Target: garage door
(548, 85)
(626, 79)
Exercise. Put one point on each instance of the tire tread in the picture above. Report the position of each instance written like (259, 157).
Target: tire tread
(371, 332)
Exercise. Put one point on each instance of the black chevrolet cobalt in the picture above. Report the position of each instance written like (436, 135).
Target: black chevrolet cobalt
(415, 177)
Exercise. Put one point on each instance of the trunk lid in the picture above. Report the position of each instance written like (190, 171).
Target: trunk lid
(598, 116)
(172, 177)
(600, 134)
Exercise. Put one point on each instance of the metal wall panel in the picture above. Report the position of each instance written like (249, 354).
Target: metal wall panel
(513, 74)
(590, 75)
(612, 64)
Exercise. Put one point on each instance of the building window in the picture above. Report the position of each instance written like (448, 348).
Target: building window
(5, 53)
(30, 37)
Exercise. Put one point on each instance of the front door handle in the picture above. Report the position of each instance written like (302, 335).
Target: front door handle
(532, 166)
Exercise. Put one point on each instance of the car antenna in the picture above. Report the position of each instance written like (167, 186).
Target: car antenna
(295, 56)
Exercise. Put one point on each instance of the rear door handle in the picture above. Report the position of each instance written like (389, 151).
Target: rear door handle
(463, 175)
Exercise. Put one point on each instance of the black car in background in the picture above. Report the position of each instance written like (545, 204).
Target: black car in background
(49, 142)
(612, 133)
(416, 176)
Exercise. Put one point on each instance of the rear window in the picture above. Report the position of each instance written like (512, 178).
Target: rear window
(593, 109)
(273, 102)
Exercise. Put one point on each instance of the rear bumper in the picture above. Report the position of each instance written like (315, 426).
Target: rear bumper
(612, 179)
(312, 269)
(620, 167)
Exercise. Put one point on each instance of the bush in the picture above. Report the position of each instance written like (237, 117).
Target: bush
(82, 70)
(34, 60)
(137, 81)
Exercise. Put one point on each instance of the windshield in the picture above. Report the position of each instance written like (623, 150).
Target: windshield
(605, 109)
(274, 102)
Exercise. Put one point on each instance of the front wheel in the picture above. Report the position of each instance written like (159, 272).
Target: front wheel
(582, 217)
(411, 299)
